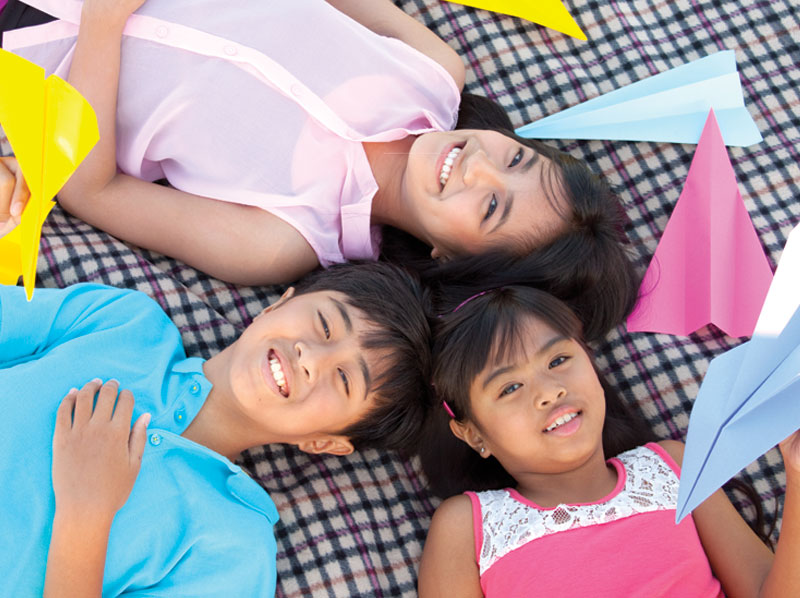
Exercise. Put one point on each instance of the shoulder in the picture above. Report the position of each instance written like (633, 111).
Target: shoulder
(449, 565)
(452, 522)
(77, 302)
(674, 449)
(456, 510)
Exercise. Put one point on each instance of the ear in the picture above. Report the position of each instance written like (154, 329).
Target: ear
(331, 445)
(287, 294)
(438, 254)
(468, 433)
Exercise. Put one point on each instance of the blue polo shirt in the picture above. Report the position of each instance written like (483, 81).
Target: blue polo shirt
(195, 524)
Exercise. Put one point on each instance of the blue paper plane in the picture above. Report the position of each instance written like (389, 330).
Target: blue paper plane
(669, 107)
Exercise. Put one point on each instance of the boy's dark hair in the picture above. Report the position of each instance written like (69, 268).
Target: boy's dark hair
(396, 304)
(489, 325)
(586, 266)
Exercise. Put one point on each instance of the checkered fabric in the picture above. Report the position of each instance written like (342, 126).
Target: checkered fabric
(355, 526)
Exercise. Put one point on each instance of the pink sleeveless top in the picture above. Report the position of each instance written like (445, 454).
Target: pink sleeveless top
(261, 103)
(626, 544)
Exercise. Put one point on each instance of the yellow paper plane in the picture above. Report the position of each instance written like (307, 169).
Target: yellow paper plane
(51, 128)
(550, 13)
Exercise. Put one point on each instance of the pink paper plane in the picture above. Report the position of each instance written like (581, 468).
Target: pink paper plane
(709, 266)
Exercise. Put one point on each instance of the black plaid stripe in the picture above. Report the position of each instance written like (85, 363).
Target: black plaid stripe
(366, 538)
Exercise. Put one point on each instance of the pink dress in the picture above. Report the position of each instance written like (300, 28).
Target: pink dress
(626, 544)
(261, 103)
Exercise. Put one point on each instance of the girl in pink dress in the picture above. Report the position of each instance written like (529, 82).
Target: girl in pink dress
(533, 428)
(295, 134)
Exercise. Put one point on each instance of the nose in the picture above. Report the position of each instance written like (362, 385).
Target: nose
(312, 359)
(480, 171)
(549, 394)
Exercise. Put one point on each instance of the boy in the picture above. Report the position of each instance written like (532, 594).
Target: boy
(339, 364)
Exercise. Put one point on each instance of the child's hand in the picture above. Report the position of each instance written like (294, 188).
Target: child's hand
(14, 195)
(790, 449)
(96, 454)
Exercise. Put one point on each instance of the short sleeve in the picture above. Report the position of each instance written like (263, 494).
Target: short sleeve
(55, 316)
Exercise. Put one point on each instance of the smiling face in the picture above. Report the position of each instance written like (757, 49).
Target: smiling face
(473, 190)
(299, 373)
(539, 410)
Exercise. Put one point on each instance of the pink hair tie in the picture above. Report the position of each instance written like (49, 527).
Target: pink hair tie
(449, 411)
(468, 299)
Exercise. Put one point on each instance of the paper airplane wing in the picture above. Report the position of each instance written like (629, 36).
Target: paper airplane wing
(706, 422)
(723, 439)
(783, 297)
(671, 106)
(709, 265)
(51, 128)
(550, 13)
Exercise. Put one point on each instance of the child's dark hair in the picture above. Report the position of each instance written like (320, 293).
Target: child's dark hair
(586, 266)
(486, 326)
(394, 301)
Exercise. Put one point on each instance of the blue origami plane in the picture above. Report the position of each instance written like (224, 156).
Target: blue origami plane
(671, 106)
(750, 398)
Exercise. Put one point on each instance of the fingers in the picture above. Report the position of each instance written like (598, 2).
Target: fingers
(137, 439)
(84, 402)
(14, 194)
(108, 406)
(106, 398)
(64, 413)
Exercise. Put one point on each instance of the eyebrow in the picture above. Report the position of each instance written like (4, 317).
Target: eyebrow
(510, 201)
(499, 372)
(348, 325)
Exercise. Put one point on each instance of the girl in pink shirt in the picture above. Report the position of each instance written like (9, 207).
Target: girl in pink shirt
(292, 134)
(533, 428)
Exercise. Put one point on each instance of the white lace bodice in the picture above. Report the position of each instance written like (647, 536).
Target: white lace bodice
(650, 485)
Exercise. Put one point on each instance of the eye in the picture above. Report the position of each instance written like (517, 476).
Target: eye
(325, 327)
(557, 361)
(345, 381)
(517, 158)
(492, 207)
(510, 389)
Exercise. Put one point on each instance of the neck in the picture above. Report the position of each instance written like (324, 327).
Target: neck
(219, 425)
(388, 161)
(585, 484)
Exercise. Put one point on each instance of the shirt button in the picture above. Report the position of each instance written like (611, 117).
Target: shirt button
(194, 389)
(297, 90)
(155, 439)
(179, 416)
(162, 31)
(230, 50)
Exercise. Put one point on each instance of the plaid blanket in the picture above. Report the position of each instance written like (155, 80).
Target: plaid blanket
(355, 526)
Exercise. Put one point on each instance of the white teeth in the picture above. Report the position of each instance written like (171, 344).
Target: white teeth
(277, 373)
(448, 165)
(561, 421)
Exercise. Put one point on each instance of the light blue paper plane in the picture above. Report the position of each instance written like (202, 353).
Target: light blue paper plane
(750, 398)
(671, 106)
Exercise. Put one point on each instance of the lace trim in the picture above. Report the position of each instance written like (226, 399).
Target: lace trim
(508, 524)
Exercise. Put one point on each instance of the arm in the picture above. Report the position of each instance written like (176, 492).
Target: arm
(448, 566)
(240, 244)
(14, 195)
(96, 458)
(741, 562)
(784, 577)
(384, 18)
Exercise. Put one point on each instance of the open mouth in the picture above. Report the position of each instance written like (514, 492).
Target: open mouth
(447, 166)
(566, 418)
(277, 374)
